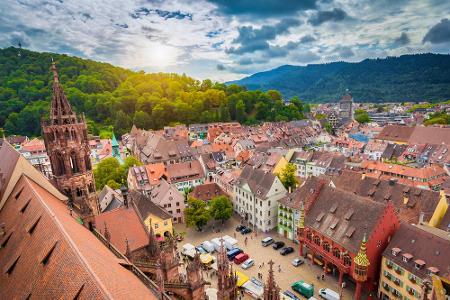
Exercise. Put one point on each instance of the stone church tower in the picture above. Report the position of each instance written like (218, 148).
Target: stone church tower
(66, 141)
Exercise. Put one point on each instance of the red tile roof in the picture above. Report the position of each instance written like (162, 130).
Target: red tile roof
(123, 224)
(47, 254)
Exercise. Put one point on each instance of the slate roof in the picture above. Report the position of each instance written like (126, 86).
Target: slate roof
(258, 180)
(421, 245)
(109, 199)
(393, 151)
(145, 207)
(345, 213)
(303, 193)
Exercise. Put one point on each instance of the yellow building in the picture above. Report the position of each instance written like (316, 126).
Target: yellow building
(279, 166)
(412, 256)
(439, 212)
(153, 215)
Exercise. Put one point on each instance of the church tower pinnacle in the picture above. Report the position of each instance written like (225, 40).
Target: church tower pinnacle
(66, 141)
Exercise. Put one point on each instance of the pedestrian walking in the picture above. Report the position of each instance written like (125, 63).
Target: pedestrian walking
(263, 264)
(323, 277)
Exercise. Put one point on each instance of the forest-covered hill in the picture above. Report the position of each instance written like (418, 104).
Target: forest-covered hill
(406, 78)
(116, 97)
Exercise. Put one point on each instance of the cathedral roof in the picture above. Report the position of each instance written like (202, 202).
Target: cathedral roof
(47, 254)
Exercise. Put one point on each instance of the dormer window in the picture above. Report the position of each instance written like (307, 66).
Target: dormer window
(396, 251)
(407, 257)
(432, 270)
(418, 264)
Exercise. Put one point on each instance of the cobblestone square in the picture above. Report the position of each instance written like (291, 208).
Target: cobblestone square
(260, 254)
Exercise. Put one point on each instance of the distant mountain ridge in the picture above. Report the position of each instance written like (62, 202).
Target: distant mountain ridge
(415, 77)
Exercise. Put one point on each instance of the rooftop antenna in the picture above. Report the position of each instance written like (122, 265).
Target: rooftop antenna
(20, 47)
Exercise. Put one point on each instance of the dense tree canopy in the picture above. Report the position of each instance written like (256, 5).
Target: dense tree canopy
(288, 177)
(362, 116)
(109, 171)
(196, 213)
(112, 96)
(221, 208)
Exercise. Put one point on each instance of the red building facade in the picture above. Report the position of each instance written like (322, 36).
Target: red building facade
(332, 226)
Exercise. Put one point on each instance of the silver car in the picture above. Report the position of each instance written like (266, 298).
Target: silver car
(247, 264)
(297, 262)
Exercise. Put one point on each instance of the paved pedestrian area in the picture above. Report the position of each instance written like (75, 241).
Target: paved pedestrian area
(260, 254)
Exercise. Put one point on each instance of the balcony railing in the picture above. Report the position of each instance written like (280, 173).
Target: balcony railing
(328, 256)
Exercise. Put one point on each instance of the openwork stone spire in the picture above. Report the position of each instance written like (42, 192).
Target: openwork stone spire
(61, 111)
(271, 289)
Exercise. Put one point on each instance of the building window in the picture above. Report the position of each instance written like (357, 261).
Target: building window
(268, 203)
(156, 226)
(326, 246)
(178, 210)
(337, 253)
(165, 223)
(316, 240)
(309, 235)
(347, 260)
(178, 203)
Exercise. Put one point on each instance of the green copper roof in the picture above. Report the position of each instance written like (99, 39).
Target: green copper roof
(114, 142)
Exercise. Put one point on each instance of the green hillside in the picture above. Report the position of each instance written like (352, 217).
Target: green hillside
(416, 77)
(112, 96)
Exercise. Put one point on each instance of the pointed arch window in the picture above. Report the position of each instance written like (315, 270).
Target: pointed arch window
(74, 163)
(58, 165)
(87, 162)
(67, 134)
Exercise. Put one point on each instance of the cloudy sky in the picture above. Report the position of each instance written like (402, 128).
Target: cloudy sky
(226, 39)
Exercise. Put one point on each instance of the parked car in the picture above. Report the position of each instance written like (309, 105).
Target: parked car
(246, 230)
(278, 245)
(328, 294)
(297, 262)
(233, 253)
(240, 227)
(303, 288)
(286, 250)
(247, 264)
(200, 250)
(267, 241)
(240, 258)
(291, 295)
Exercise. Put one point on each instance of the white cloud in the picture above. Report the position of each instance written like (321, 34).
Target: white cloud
(192, 36)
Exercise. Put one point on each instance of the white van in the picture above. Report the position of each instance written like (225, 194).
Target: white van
(328, 294)
(267, 241)
(208, 246)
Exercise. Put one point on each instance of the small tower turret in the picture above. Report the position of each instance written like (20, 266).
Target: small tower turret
(361, 267)
(301, 229)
